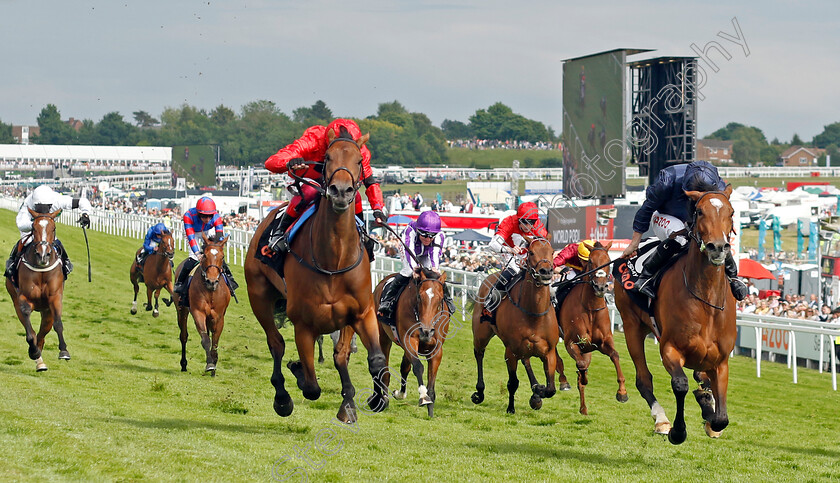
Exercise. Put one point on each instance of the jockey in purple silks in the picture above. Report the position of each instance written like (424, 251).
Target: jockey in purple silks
(425, 240)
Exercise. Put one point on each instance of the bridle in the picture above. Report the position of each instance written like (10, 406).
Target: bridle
(42, 243)
(592, 274)
(532, 269)
(695, 236)
(418, 284)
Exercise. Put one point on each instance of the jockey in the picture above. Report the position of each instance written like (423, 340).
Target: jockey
(200, 219)
(571, 259)
(510, 239)
(312, 147)
(151, 242)
(44, 200)
(666, 206)
(425, 240)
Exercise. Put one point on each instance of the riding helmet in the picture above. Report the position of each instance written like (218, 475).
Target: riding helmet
(428, 221)
(205, 206)
(583, 249)
(528, 211)
(700, 176)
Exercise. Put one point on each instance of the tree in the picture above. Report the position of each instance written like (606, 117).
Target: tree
(500, 123)
(6, 133)
(318, 113)
(796, 141)
(53, 129)
(749, 144)
(830, 135)
(455, 130)
(143, 119)
(112, 130)
(222, 115)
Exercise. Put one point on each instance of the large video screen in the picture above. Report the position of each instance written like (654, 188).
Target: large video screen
(196, 163)
(593, 125)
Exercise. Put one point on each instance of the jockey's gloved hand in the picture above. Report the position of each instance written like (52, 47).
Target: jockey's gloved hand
(297, 164)
(84, 220)
(379, 216)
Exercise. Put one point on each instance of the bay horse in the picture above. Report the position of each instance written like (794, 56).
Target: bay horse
(526, 324)
(156, 274)
(327, 285)
(422, 319)
(209, 297)
(40, 288)
(585, 322)
(695, 313)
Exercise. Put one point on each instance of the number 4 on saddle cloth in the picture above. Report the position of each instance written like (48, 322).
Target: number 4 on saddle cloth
(627, 272)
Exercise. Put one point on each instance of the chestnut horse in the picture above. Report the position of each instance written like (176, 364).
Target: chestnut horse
(695, 312)
(208, 301)
(327, 285)
(585, 321)
(526, 323)
(422, 318)
(157, 274)
(40, 288)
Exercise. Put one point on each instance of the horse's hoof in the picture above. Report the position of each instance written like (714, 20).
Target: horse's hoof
(148, 308)
(398, 394)
(622, 398)
(155, 313)
(535, 402)
(40, 366)
(677, 437)
(297, 369)
(710, 432)
(347, 413)
(284, 406)
(34, 352)
(477, 397)
(511, 410)
(377, 403)
(424, 401)
(662, 428)
(565, 386)
(210, 368)
(183, 368)
(134, 311)
(64, 355)
(584, 411)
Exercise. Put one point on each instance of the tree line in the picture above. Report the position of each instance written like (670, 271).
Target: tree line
(750, 147)
(397, 136)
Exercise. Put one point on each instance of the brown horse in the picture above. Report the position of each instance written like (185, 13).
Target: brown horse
(526, 324)
(40, 288)
(208, 302)
(156, 274)
(699, 331)
(327, 285)
(585, 321)
(422, 318)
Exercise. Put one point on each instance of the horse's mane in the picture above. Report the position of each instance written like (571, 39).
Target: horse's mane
(344, 133)
(215, 238)
(430, 273)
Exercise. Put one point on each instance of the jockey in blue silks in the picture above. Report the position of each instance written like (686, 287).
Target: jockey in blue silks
(666, 207)
(152, 240)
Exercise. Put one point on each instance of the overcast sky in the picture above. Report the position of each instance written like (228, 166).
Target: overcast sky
(443, 58)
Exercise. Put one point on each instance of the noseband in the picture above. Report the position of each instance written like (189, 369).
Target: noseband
(598, 273)
(419, 284)
(532, 269)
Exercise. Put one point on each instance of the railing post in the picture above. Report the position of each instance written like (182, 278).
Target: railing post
(792, 351)
(758, 352)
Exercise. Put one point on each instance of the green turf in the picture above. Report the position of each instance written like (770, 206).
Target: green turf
(503, 158)
(122, 410)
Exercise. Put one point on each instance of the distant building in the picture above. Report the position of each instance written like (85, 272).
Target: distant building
(800, 156)
(714, 151)
(93, 158)
(74, 123)
(24, 134)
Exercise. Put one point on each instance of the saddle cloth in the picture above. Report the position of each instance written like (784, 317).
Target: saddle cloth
(627, 271)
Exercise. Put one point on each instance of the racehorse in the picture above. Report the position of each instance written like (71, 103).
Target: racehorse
(156, 274)
(422, 319)
(695, 314)
(208, 302)
(585, 321)
(327, 285)
(526, 324)
(40, 288)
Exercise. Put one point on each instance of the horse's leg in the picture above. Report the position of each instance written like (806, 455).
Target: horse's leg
(320, 341)
(341, 356)
(368, 330)
(218, 327)
(405, 367)
(513, 381)
(201, 320)
(562, 382)
(262, 304)
(434, 365)
(304, 369)
(168, 287)
(411, 352)
(536, 398)
(55, 312)
(148, 298)
(184, 335)
(582, 362)
(156, 311)
(607, 348)
(24, 313)
(482, 333)
(635, 338)
(719, 382)
(136, 291)
(673, 361)
(46, 326)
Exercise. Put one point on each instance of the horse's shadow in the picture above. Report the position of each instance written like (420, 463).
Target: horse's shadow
(561, 454)
(137, 368)
(189, 424)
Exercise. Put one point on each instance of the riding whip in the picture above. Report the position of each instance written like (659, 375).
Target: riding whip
(84, 230)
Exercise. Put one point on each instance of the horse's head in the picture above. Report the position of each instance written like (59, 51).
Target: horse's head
(43, 236)
(343, 168)
(598, 255)
(212, 261)
(167, 245)
(431, 308)
(540, 260)
(710, 222)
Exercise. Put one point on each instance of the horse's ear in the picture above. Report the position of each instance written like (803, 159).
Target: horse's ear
(728, 190)
(331, 135)
(362, 140)
(32, 213)
(694, 195)
(587, 245)
(204, 237)
(608, 245)
(225, 240)
(442, 277)
(528, 239)
(55, 213)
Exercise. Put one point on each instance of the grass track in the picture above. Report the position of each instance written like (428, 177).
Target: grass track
(122, 410)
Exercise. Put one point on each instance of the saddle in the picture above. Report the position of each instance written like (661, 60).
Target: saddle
(490, 317)
(627, 271)
(275, 259)
(562, 290)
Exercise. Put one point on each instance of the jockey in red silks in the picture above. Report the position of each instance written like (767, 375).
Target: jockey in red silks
(510, 239)
(312, 147)
(570, 260)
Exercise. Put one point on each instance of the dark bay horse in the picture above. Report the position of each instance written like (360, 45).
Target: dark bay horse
(41, 288)
(157, 274)
(526, 323)
(422, 318)
(585, 322)
(327, 286)
(695, 312)
(209, 297)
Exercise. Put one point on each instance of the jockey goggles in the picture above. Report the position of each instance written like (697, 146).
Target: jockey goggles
(426, 234)
(527, 221)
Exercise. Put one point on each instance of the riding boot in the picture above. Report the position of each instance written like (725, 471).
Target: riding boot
(388, 301)
(141, 257)
(12, 263)
(181, 283)
(277, 239)
(67, 266)
(739, 289)
(229, 276)
(657, 260)
(494, 297)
